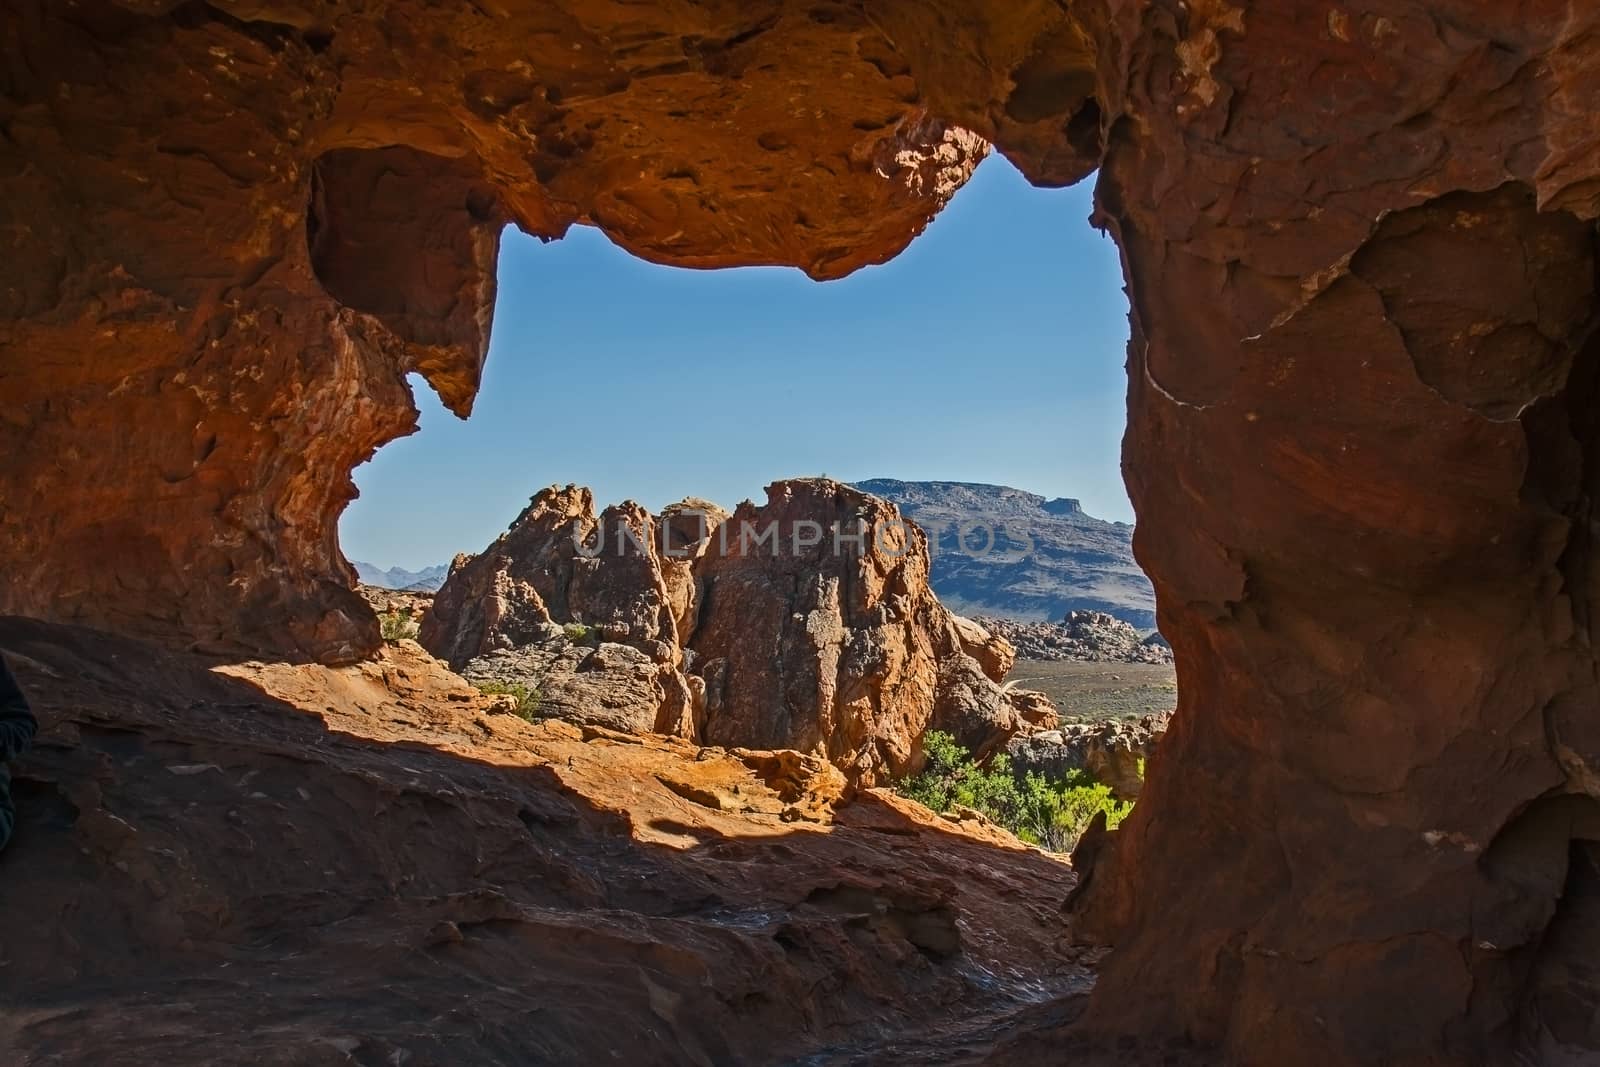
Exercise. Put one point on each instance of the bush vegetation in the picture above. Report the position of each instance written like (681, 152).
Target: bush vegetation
(577, 632)
(397, 626)
(528, 698)
(1048, 813)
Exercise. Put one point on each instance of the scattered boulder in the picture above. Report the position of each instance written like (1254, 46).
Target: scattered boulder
(994, 653)
(1091, 636)
(1037, 710)
(605, 684)
(1111, 750)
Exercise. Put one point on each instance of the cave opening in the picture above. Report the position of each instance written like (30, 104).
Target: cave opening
(975, 381)
(991, 350)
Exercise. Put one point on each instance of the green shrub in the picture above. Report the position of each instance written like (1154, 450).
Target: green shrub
(1055, 814)
(1050, 814)
(528, 698)
(397, 626)
(577, 632)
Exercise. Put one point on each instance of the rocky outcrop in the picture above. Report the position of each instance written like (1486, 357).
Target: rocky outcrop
(1112, 751)
(1083, 636)
(806, 624)
(818, 632)
(1010, 553)
(251, 839)
(686, 529)
(558, 562)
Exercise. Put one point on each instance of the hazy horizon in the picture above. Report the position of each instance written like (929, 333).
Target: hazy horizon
(991, 351)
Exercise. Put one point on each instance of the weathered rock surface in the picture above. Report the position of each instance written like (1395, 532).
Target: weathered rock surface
(1087, 636)
(1359, 246)
(1361, 448)
(1006, 552)
(1114, 751)
(818, 632)
(370, 864)
(558, 562)
(685, 532)
(246, 261)
(604, 684)
(795, 626)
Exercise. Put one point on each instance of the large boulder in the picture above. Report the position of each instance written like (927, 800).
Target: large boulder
(818, 631)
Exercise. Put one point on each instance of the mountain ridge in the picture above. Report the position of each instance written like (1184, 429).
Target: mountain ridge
(427, 580)
(1008, 552)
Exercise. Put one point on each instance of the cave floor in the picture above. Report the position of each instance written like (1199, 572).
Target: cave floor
(294, 864)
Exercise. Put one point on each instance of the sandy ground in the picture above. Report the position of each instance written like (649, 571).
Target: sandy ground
(1100, 690)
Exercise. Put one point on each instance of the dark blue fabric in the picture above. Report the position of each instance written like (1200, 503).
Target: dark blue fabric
(17, 727)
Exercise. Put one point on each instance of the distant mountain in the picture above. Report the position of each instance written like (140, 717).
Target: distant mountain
(1047, 556)
(427, 580)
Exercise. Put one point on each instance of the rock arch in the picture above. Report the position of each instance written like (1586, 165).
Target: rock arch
(1366, 509)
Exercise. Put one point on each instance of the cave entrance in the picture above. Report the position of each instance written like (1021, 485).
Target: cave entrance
(976, 381)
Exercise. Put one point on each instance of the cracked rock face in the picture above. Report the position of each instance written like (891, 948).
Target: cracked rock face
(818, 631)
(1360, 254)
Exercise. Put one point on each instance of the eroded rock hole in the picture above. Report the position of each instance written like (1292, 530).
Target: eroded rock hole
(779, 625)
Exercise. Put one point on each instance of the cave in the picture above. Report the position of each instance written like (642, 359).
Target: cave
(1360, 251)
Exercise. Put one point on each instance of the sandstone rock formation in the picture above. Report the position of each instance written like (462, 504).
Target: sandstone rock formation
(559, 562)
(1114, 751)
(818, 632)
(370, 864)
(1087, 636)
(1359, 247)
(805, 624)
(686, 529)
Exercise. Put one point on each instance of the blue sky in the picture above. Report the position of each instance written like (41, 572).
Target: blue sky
(991, 350)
